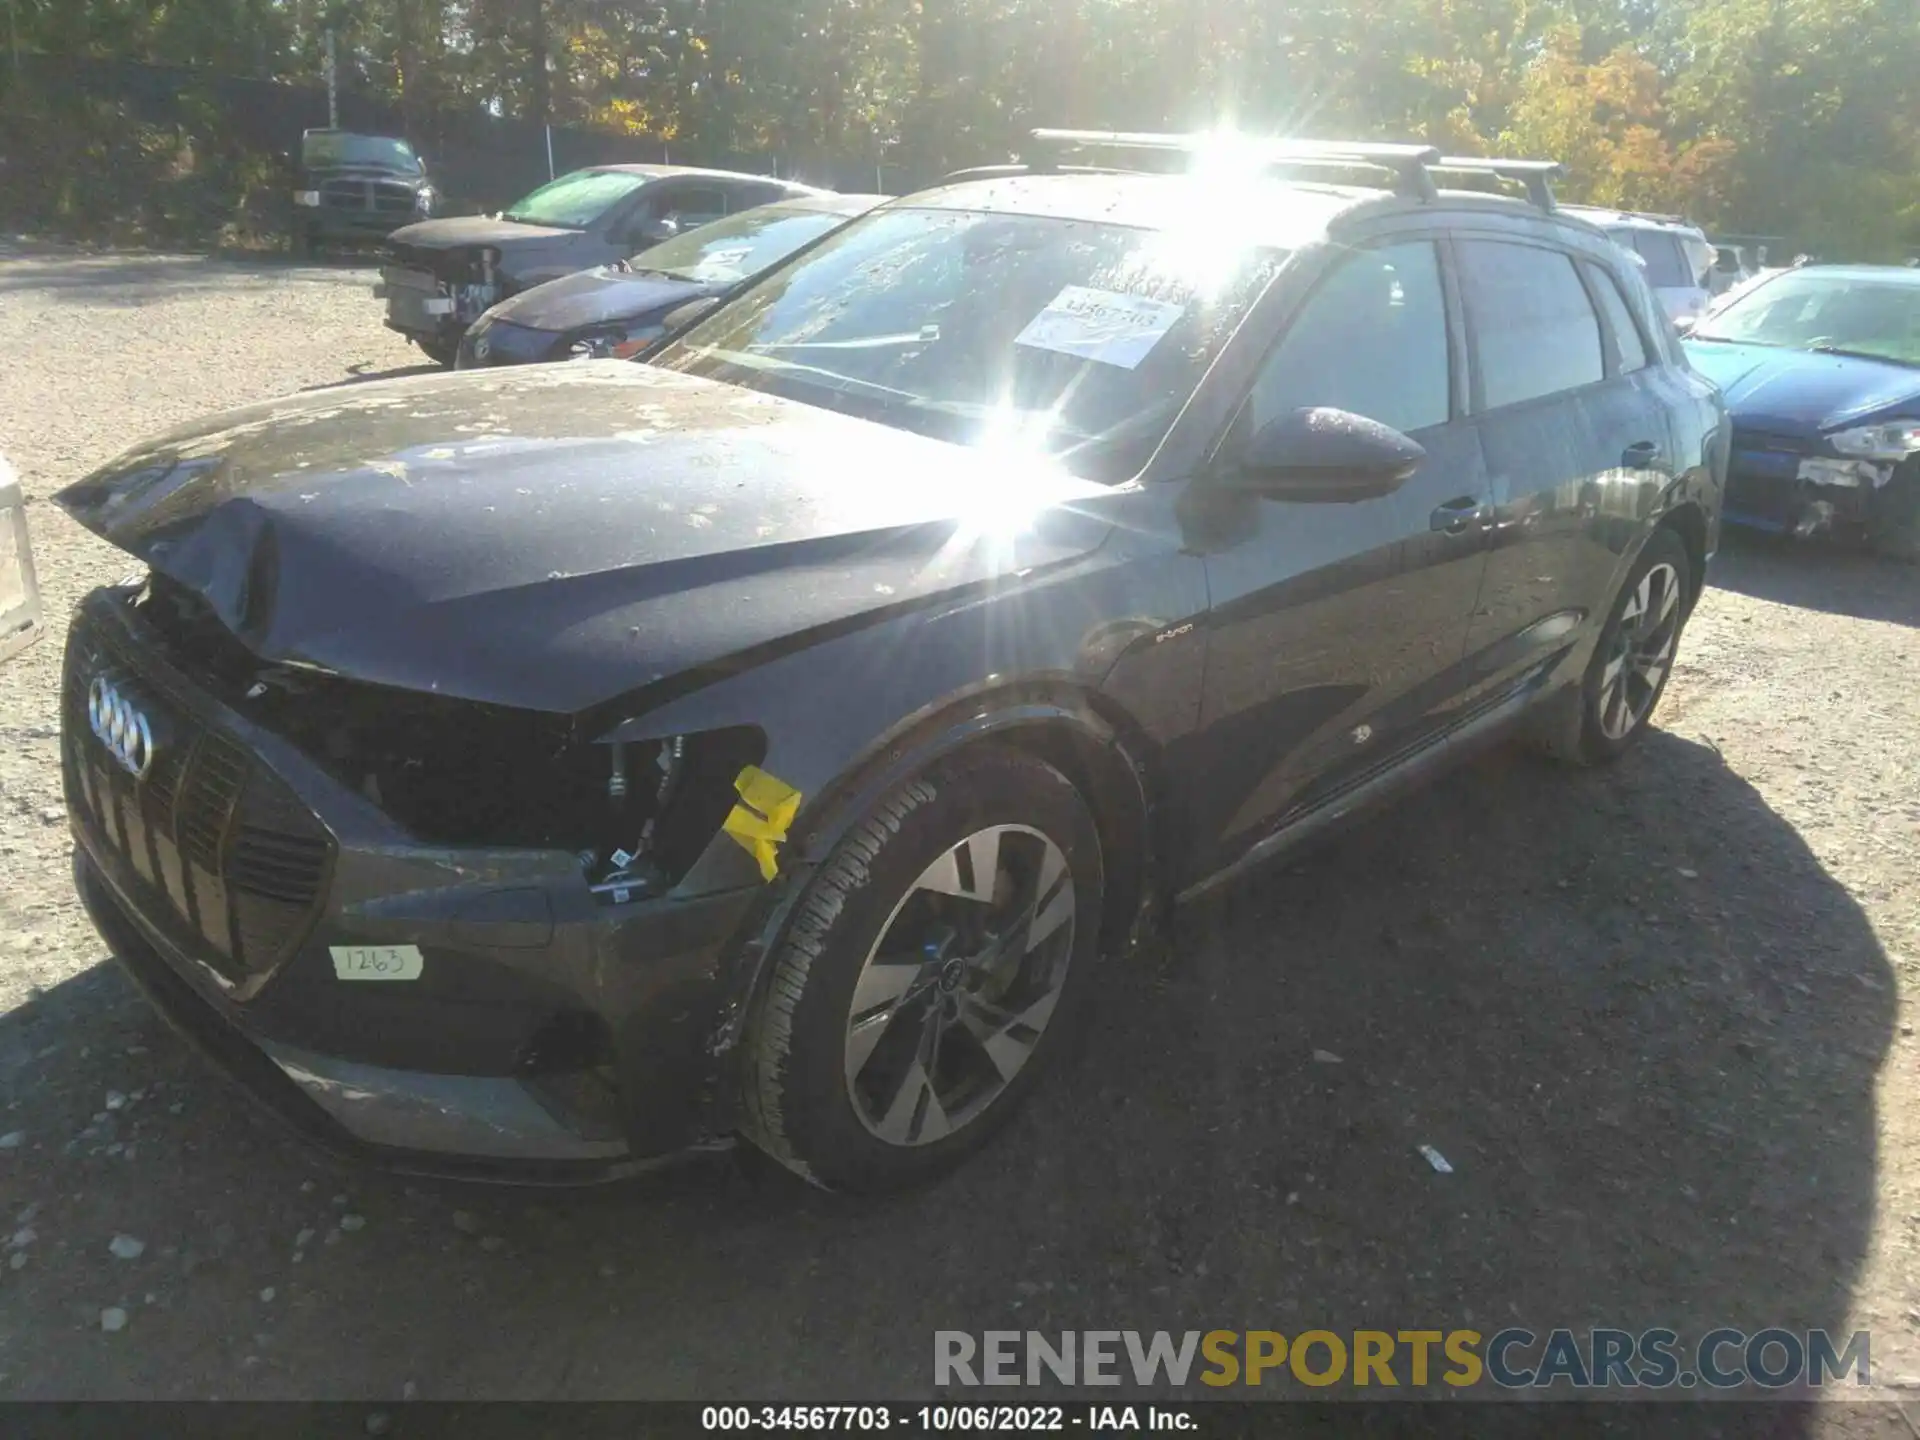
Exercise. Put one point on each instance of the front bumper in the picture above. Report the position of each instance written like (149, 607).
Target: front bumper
(1780, 485)
(546, 1038)
(327, 223)
(500, 342)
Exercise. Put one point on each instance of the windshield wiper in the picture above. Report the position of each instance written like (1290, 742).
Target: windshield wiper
(1858, 354)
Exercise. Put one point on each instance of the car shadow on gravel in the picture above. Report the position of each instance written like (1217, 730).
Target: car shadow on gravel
(357, 376)
(1818, 576)
(1630, 1009)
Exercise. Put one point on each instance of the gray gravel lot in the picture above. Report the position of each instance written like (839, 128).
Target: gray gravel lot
(1658, 1019)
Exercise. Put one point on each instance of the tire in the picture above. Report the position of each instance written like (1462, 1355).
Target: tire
(441, 352)
(1602, 719)
(854, 1106)
(1895, 531)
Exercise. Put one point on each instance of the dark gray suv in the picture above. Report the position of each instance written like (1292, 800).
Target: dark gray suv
(547, 771)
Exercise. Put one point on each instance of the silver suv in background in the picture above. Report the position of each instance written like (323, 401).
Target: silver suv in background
(1677, 257)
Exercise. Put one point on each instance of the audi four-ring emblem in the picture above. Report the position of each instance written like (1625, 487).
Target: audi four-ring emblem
(122, 728)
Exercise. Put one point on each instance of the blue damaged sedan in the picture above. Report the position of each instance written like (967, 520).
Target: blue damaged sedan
(1820, 366)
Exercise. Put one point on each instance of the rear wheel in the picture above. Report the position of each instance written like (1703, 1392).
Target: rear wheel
(1632, 662)
(930, 971)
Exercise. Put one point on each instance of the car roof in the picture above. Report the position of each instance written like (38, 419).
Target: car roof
(1282, 213)
(1904, 274)
(1633, 220)
(662, 172)
(830, 202)
(1274, 212)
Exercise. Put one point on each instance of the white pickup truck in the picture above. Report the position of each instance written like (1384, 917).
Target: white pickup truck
(19, 590)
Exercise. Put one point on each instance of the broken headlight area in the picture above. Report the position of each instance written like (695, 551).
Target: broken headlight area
(463, 773)
(1890, 442)
(618, 342)
(1848, 474)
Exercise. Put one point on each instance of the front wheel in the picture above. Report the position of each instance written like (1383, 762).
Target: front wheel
(929, 972)
(1632, 662)
(440, 350)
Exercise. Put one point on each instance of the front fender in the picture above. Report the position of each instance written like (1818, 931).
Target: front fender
(1121, 627)
(1107, 659)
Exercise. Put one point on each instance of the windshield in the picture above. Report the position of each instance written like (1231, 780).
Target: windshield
(573, 202)
(739, 246)
(324, 152)
(1064, 337)
(1806, 310)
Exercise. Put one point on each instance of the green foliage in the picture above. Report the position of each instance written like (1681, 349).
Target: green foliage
(1793, 117)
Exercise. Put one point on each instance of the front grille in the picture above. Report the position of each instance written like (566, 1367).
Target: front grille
(213, 834)
(390, 197)
(384, 197)
(345, 195)
(1760, 440)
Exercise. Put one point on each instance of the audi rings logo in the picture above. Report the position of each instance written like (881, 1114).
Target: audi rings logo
(122, 728)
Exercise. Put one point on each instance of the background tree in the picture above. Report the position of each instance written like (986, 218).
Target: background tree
(1794, 117)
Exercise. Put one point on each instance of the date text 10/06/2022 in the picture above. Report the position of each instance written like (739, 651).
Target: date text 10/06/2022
(924, 1419)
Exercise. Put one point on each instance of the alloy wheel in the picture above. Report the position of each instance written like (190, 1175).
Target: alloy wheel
(960, 985)
(1642, 652)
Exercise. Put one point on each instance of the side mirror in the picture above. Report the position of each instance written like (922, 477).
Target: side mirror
(1327, 455)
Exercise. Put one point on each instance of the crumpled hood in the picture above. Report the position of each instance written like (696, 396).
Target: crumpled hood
(551, 537)
(1796, 392)
(459, 230)
(592, 297)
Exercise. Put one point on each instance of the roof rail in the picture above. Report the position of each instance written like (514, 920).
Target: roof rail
(1407, 163)
(1537, 175)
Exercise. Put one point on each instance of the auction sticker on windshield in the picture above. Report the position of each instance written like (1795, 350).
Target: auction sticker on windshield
(377, 962)
(1100, 325)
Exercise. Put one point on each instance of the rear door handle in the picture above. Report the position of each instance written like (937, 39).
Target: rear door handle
(1643, 455)
(1458, 515)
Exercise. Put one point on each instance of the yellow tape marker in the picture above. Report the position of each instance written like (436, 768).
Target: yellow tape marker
(759, 823)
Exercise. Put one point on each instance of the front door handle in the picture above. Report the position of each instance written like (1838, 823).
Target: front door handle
(1644, 455)
(1458, 515)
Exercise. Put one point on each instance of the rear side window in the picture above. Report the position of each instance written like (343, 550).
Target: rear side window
(1630, 348)
(1534, 330)
(1372, 339)
(1667, 266)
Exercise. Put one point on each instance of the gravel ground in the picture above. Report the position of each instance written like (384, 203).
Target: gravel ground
(1657, 1019)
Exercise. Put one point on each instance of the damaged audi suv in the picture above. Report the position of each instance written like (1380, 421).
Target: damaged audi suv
(543, 772)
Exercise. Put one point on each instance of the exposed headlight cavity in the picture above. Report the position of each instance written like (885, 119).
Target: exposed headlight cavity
(1892, 440)
(613, 344)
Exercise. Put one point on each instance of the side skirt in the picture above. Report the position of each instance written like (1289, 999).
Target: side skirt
(1484, 725)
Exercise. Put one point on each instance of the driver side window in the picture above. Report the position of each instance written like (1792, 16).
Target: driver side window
(1372, 339)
